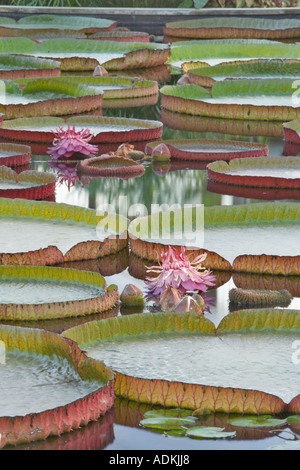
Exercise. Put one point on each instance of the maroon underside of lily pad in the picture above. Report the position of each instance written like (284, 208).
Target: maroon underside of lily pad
(29, 73)
(142, 131)
(218, 172)
(290, 135)
(121, 35)
(17, 154)
(268, 194)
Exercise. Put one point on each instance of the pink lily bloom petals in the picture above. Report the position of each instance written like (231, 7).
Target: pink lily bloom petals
(67, 142)
(177, 270)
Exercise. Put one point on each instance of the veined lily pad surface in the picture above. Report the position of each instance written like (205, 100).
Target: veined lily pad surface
(258, 69)
(262, 99)
(257, 231)
(268, 172)
(38, 293)
(27, 184)
(86, 54)
(104, 129)
(79, 233)
(209, 150)
(13, 67)
(46, 97)
(79, 390)
(238, 27)
(202, 379)
(212, 51)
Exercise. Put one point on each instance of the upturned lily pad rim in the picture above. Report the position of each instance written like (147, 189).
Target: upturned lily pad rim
(221, 216)
(25, 129)
(43, 183)
(64, 213)
(249, 149)
(185, 395)
(20, 154)
(219, 171)
(128, 88)
(107, 298)
(37, 426)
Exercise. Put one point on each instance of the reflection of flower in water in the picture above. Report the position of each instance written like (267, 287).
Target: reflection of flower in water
(67, 173)
(209, 301)
(68, 142)
(177, 270)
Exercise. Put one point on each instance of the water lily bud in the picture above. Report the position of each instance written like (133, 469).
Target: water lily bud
(100, 71)
(161, 153)
(132, 296)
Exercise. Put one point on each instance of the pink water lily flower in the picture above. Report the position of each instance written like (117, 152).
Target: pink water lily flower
(69, 142)
(177, 270)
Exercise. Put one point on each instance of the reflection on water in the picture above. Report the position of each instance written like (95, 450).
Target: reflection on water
(170, 184)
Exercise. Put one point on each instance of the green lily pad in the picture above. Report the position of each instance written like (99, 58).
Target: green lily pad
(208, 432)
(263, 421)
(295, 419)
(169, 412)
(165, 423)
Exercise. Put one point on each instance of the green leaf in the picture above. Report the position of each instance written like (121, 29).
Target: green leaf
(208, 432)
(165, 423)
(263, 421)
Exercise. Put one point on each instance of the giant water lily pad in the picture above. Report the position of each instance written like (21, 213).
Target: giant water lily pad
(209, 150)
(54, 22)
(113, 87)
(14, 67)
(237, 127)
(204, 375)
(272, 68)
(39, 293)
(110, 166)
(27, 184)
(86, 393)
(267, 172)
(213, 52)
(86, 54)
(45, 97)
(257, 231)
(29, 237)
(210, 28)
(14, 154)
(103, 129)
(257, 421)
(262, 99)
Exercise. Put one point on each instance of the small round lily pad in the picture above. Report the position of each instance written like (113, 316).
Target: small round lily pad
(263, 421)
(169, 412)
(165, 423)
(208, 432)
